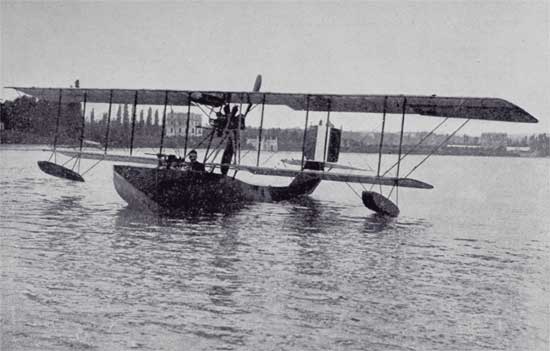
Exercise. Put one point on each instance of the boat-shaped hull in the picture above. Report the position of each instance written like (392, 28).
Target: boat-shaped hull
(168, 189)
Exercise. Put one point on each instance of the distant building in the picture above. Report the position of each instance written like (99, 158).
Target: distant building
(268, 144)
(493, 140)
(521, 149)
(176, 123)
(471, 140)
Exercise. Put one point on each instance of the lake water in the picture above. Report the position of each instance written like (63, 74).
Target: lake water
(464, 267)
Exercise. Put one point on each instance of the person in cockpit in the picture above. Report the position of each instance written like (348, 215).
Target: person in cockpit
(193, 164)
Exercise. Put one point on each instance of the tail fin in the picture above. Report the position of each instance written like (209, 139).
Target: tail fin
(322, 143)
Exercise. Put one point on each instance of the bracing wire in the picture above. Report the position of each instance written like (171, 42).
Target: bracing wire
(413, 148)
(246, 153)
(216, 150)
(269, 158)
(203, 111)
(439, 146)
(64, 163)
(352, 189)
(434, 151)
(93, 166)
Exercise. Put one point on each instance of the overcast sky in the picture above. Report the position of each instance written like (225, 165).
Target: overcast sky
(499, 49)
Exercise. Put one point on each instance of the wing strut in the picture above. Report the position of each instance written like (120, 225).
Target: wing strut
(56, 127)
(82, 130)
(163, 122)
(239, 124)
(108, 120)
(382, 138)
(187, 127)
(260, 132)
(326, 132)
(305, 133)
(133, 122)
(400, 149)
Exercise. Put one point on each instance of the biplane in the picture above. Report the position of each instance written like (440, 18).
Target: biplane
(167, 183)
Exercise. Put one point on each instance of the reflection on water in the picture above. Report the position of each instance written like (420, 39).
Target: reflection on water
(82, 271)
(377, 223)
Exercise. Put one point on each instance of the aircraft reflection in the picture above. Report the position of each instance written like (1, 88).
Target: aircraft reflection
(128, 216)
(223, 270)
(67, 206)
(378, 223)
(311, 215)
(305, 215)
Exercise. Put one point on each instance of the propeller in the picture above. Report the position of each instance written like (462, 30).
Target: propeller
(256, 88)
(257, 83)
(226, 109)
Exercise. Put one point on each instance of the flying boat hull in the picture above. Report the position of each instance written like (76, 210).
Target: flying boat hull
(160, 190)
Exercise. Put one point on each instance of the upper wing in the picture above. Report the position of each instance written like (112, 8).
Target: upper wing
(116, 96)
(438, 106)
(493, 109)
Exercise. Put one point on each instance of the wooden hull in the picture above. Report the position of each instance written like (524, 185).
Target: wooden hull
(173, 190)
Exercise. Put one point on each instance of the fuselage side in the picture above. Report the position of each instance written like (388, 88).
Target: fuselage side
(173, 189)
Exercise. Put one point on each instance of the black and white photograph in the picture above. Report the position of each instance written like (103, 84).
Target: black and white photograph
(275, 175)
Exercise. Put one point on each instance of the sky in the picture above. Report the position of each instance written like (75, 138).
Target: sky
(467, 48)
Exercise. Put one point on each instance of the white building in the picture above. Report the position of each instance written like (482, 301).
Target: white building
(493, 140)
(176, 123)
(268, 144)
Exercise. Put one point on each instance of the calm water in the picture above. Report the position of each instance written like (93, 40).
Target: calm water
(465, 267)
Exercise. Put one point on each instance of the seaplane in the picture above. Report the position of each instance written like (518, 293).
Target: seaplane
(168, 184)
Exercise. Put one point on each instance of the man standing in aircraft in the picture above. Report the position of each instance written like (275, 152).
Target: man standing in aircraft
(195, 165)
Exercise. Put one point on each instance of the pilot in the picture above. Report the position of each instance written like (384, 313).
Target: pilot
(195, 165)
(171, 161)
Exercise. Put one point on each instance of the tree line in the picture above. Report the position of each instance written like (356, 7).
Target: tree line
(29, 120)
